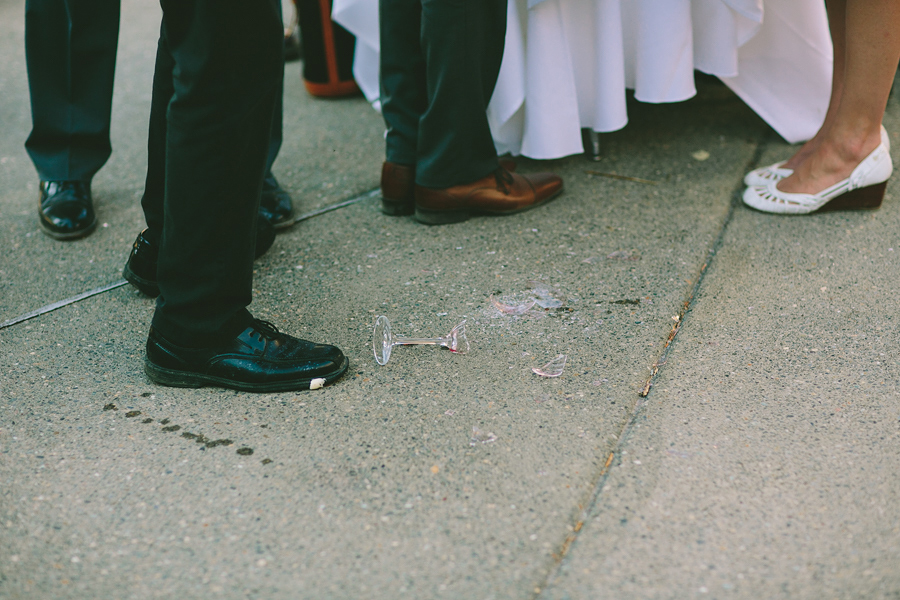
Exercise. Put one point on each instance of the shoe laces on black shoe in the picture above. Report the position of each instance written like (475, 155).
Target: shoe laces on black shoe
(266, 331)
(504, 179)
(69, 191)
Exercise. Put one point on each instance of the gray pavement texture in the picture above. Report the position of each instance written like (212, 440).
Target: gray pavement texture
(762, 463)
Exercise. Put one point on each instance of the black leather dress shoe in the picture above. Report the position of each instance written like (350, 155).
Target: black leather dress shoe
(260, 359)
(66, 210)
(265, 236)
(275, 204)
(140, 268)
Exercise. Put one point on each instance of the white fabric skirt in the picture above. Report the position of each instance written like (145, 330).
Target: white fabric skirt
(567, 63)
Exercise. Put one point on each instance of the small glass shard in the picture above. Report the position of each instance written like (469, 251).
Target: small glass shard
(512, 309)
(481, 437)
(624, 255)
(539, 288)
(546, 297)
(548, 302)
(554, 368)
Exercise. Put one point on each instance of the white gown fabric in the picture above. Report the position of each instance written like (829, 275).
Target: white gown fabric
(567, 63)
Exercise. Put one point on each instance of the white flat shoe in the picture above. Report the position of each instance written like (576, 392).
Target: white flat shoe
(776, 172)
(864, 189)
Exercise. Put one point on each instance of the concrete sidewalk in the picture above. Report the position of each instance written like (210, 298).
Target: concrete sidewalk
(761, 464)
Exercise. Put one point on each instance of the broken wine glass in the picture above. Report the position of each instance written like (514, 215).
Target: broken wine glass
(383, 340)
(554, 368)
(512, 309)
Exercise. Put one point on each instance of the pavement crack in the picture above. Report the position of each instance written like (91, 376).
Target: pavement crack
(701, 275)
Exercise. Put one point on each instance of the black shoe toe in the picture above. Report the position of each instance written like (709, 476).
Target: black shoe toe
(275, 204)
(66, 209)
(140, 269)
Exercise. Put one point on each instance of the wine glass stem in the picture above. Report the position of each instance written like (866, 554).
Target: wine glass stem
(405, 341)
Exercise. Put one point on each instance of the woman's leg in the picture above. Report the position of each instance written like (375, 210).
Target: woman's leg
(872, 51)
(837, 10)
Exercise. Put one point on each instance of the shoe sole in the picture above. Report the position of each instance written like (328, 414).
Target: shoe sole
(68, 236)
(187, 379)
(446, 217)
(397, 208)
(866, 198)
(285, 224)
(145, 286)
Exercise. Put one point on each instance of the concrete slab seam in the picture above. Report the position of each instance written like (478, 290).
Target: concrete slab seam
(60, 303)
(695, 289)
(112, 286)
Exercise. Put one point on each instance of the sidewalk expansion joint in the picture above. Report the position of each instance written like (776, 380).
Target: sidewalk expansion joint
(600, 482)
(701, 275)
(117, 284)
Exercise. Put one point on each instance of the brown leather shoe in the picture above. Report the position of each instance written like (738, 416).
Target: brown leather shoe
(500, 193)
(398, 184)
(398, 187)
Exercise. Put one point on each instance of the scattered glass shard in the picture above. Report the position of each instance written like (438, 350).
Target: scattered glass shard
(548, 302)
(554, 368)
(546, 297)
(539, 288)
(624, 255)
(678, 453)
(512, 309)
(449, 413)
(481, 437)
(383, 340)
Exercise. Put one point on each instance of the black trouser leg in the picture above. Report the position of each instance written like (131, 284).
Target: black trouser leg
(463, 45)
(440, 62)
(154, 189)
(225, 64)
(70, 51)
(404, 96)
(276, 136)
(153, 201)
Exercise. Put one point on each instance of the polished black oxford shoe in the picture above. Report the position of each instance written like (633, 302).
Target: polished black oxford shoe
(66, 210)
(275, 204)
(140, 268)
(259, 359)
